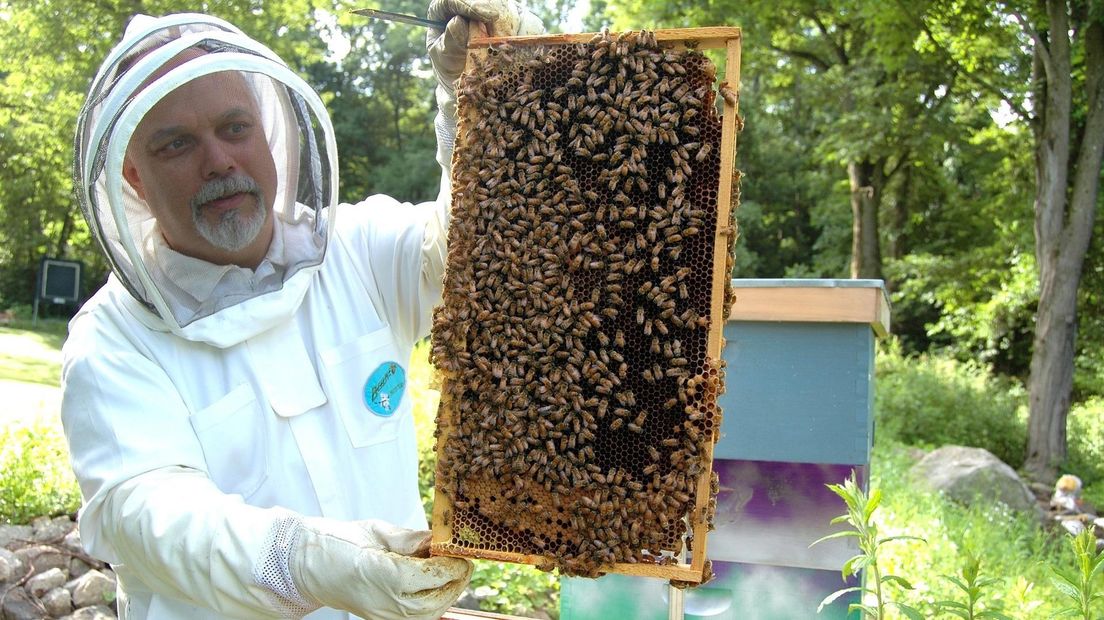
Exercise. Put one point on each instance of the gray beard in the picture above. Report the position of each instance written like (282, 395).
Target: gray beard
(238, 227)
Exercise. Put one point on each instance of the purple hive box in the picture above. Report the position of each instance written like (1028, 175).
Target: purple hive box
(769, 513)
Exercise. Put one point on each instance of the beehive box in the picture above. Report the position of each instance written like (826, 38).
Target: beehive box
(579, 338)
(822, 408)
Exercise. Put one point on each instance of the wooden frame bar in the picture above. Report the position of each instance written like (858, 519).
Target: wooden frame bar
(701, 38)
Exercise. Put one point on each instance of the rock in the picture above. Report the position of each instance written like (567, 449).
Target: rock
(18, 605)
(46, 529)
(78, 567)
(72, 541)
(45, 581)
(99, 612)
(11, 567)
(42, 558)
(57, 602)
(966, 474)
(14, 533)
(92, 588)
(1073, 526)
(1041, 490)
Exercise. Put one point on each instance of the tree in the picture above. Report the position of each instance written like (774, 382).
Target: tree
(1068, 125)
(1063, 106)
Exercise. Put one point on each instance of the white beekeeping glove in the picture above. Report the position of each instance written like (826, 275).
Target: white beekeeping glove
(448, 50)
(373, 569)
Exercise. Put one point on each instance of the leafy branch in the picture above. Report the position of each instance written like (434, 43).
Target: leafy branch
(971, 585)
(860, 512)
(1078, 584)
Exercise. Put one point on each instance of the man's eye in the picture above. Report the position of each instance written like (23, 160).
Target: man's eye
(237, 129)
(172, 146)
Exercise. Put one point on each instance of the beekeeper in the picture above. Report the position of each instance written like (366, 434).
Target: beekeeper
(235, 397)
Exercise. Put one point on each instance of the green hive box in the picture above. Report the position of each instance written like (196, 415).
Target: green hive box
(798, 414)
(738, 592)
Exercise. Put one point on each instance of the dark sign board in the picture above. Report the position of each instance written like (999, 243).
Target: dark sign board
(59, 280)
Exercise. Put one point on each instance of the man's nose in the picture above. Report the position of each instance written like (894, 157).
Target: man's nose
(218, 160)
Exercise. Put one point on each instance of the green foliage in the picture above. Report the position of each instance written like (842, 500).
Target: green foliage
(514, 588)
(1085, 433)
(971, 584)
(412, 175)
(380, 97)
(37, 478)
(1088, 375)
(967, 282)
(859, 515)
(1079, 585)
(780, 222)
(933, 399)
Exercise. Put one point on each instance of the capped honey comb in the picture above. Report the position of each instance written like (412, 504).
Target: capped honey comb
(579, 341)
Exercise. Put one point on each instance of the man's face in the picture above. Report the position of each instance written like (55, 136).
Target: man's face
(199, 158)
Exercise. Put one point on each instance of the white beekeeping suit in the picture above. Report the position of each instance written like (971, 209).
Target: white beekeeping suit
(242, 434)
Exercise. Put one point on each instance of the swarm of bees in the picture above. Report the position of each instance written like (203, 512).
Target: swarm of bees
(578, 399)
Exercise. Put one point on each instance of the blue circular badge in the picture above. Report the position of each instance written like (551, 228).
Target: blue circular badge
(383, 391)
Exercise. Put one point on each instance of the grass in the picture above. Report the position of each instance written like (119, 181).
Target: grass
(30, 372)
(32, 355)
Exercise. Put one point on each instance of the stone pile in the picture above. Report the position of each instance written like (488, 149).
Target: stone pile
(1065, 507)
(44, 573)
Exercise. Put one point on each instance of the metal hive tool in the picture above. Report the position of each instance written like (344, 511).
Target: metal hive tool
(579, 339)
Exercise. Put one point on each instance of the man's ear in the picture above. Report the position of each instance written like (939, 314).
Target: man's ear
(130, 173)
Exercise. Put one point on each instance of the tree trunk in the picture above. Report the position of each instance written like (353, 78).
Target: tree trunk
(897, 244)
(866, 195)
(61, 248)
(1063, 229)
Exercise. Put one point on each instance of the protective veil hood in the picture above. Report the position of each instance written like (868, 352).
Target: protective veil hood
(217, 304)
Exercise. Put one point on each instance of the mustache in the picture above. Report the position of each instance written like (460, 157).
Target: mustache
(223, 187)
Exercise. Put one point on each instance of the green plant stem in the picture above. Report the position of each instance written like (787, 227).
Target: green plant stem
(876, 574)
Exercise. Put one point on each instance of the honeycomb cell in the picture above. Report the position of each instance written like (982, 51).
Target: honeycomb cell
(578, 394)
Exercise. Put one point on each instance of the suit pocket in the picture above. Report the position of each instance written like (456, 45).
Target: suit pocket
(233, 436)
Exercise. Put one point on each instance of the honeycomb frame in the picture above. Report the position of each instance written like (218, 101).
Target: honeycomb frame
(528, 470)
